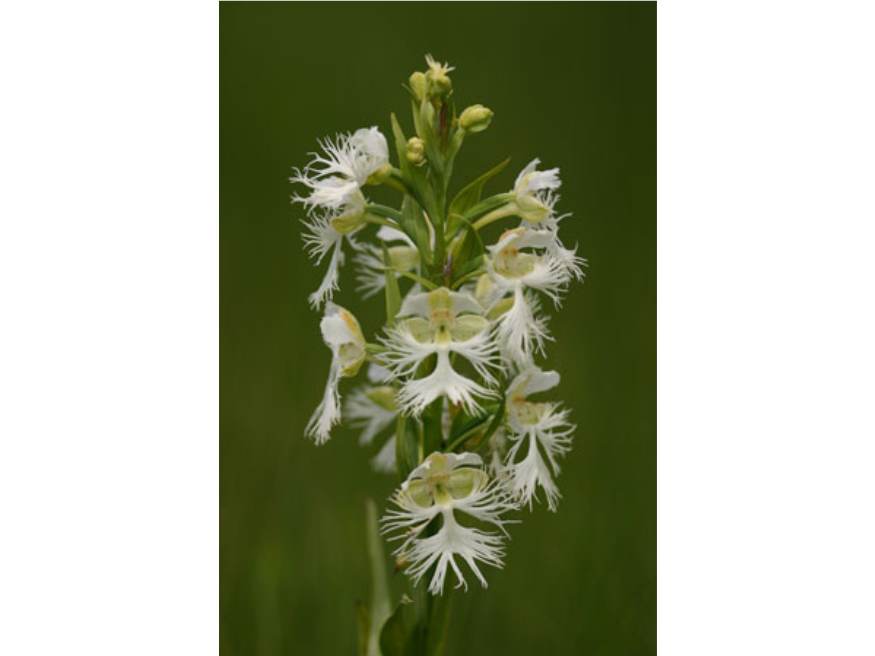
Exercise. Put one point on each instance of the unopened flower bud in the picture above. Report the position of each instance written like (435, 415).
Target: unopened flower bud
(475, 118)
(419, 86)
(404, 258)
(416, 151)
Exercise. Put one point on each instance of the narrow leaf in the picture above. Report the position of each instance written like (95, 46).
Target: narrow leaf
(380, 606)
(470, 266)
(394, 635)
(406, 445)
(470, 196)
(363, 628)
(413, 223)
(393, 294)
(469, 248)
(437, 628)
(432, 429)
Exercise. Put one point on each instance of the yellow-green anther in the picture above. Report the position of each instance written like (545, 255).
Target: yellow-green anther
(475, 118)
(380, 175)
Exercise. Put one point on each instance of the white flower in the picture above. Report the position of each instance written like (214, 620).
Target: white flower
(403, 255)
(441, 322)
(446, 484)
(335, 204)
(323, 236)
(534, 192)
(512, 270)
(343, 335)
(544, 429)
(373, 409)
(347, 164)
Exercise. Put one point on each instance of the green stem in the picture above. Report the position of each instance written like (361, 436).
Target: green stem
(461, 439)
(509, 209)
(382, 211)
(474, 274)
(380, 607)
(378, 220)
(396, 181)
(428, 284)
(371, 358)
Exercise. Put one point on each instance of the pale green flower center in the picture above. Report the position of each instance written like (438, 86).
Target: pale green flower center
(510, 262)
(441, 487)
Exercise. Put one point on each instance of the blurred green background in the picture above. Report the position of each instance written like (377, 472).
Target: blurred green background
(571, 83)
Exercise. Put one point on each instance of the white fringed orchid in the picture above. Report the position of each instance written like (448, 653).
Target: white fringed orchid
(326, 231)
(539, 434)
(443, 486)
(454, 370)
(343, 335)
(403, 255)
(441, 322)
(534, 192)
(335, 204)
(511, 271)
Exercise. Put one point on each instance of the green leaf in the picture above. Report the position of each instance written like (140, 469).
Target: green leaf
(396, 631)
(417, 122)
(465, 427)
(493, 426)
(432, 429)
(437, 627)
(400, 142)
(363, 622)
(430, 136)
(470, 196)
(471, 266)
(413, 224)
(468, 249)
(380, 606)
(393, 294)
(406, 445)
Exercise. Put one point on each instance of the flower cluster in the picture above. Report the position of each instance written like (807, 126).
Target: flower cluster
(451, 374)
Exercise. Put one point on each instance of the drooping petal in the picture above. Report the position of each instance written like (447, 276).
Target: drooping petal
(327, 414)
(416, 395)
(520, 332)
(530, 472)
